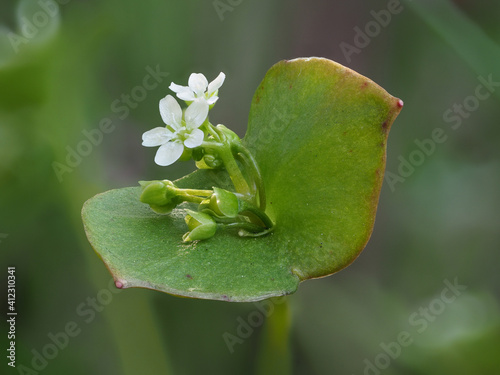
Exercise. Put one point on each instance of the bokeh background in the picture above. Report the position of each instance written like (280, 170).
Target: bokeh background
(63, 74)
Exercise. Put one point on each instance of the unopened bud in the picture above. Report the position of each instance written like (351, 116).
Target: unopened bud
(160, 195)
(201, 226)
(224, 203)
(231, 136)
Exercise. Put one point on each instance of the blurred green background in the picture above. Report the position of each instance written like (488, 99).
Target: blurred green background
(66, 70)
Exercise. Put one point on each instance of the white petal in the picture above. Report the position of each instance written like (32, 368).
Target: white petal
(177, 88)
(195, 139)
(198, 83)
(171, 112)
(156, 137)
(212, 99)
(187, 96)
(169, 153)
(216, 83)
(196, 113)
(183, 92)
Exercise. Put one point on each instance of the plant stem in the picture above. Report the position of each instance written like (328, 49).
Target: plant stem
(213, 131)
(274, 356)
(234, 171)
(203, 193)
(239, 182)
(252, 163)
(249, 177)
(191, 198)
(136, 359)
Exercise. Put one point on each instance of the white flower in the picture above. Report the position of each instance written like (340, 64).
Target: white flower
(180, 130)
(199, 88)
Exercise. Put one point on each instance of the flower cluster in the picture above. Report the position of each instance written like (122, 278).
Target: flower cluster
(182, 128)
(189, 134)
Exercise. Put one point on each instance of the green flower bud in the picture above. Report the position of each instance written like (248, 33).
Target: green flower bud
(224, 203)
(231, 136)
(209, 160)
(200, 164)
(160, 195)
(221, 204)
(201, 226)
(213, 161)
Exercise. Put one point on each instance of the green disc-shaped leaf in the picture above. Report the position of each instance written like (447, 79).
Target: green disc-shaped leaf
(318, 131)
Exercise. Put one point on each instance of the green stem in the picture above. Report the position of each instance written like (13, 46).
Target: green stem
(245, 233)
(191, 198)
(256, 175)
(135, 358)
(203, 193)
(274, 356)
(249, 177)
(239, 182)
(234, 171)
(213, 131)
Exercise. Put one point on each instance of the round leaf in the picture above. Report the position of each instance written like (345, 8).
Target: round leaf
(318, 131)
